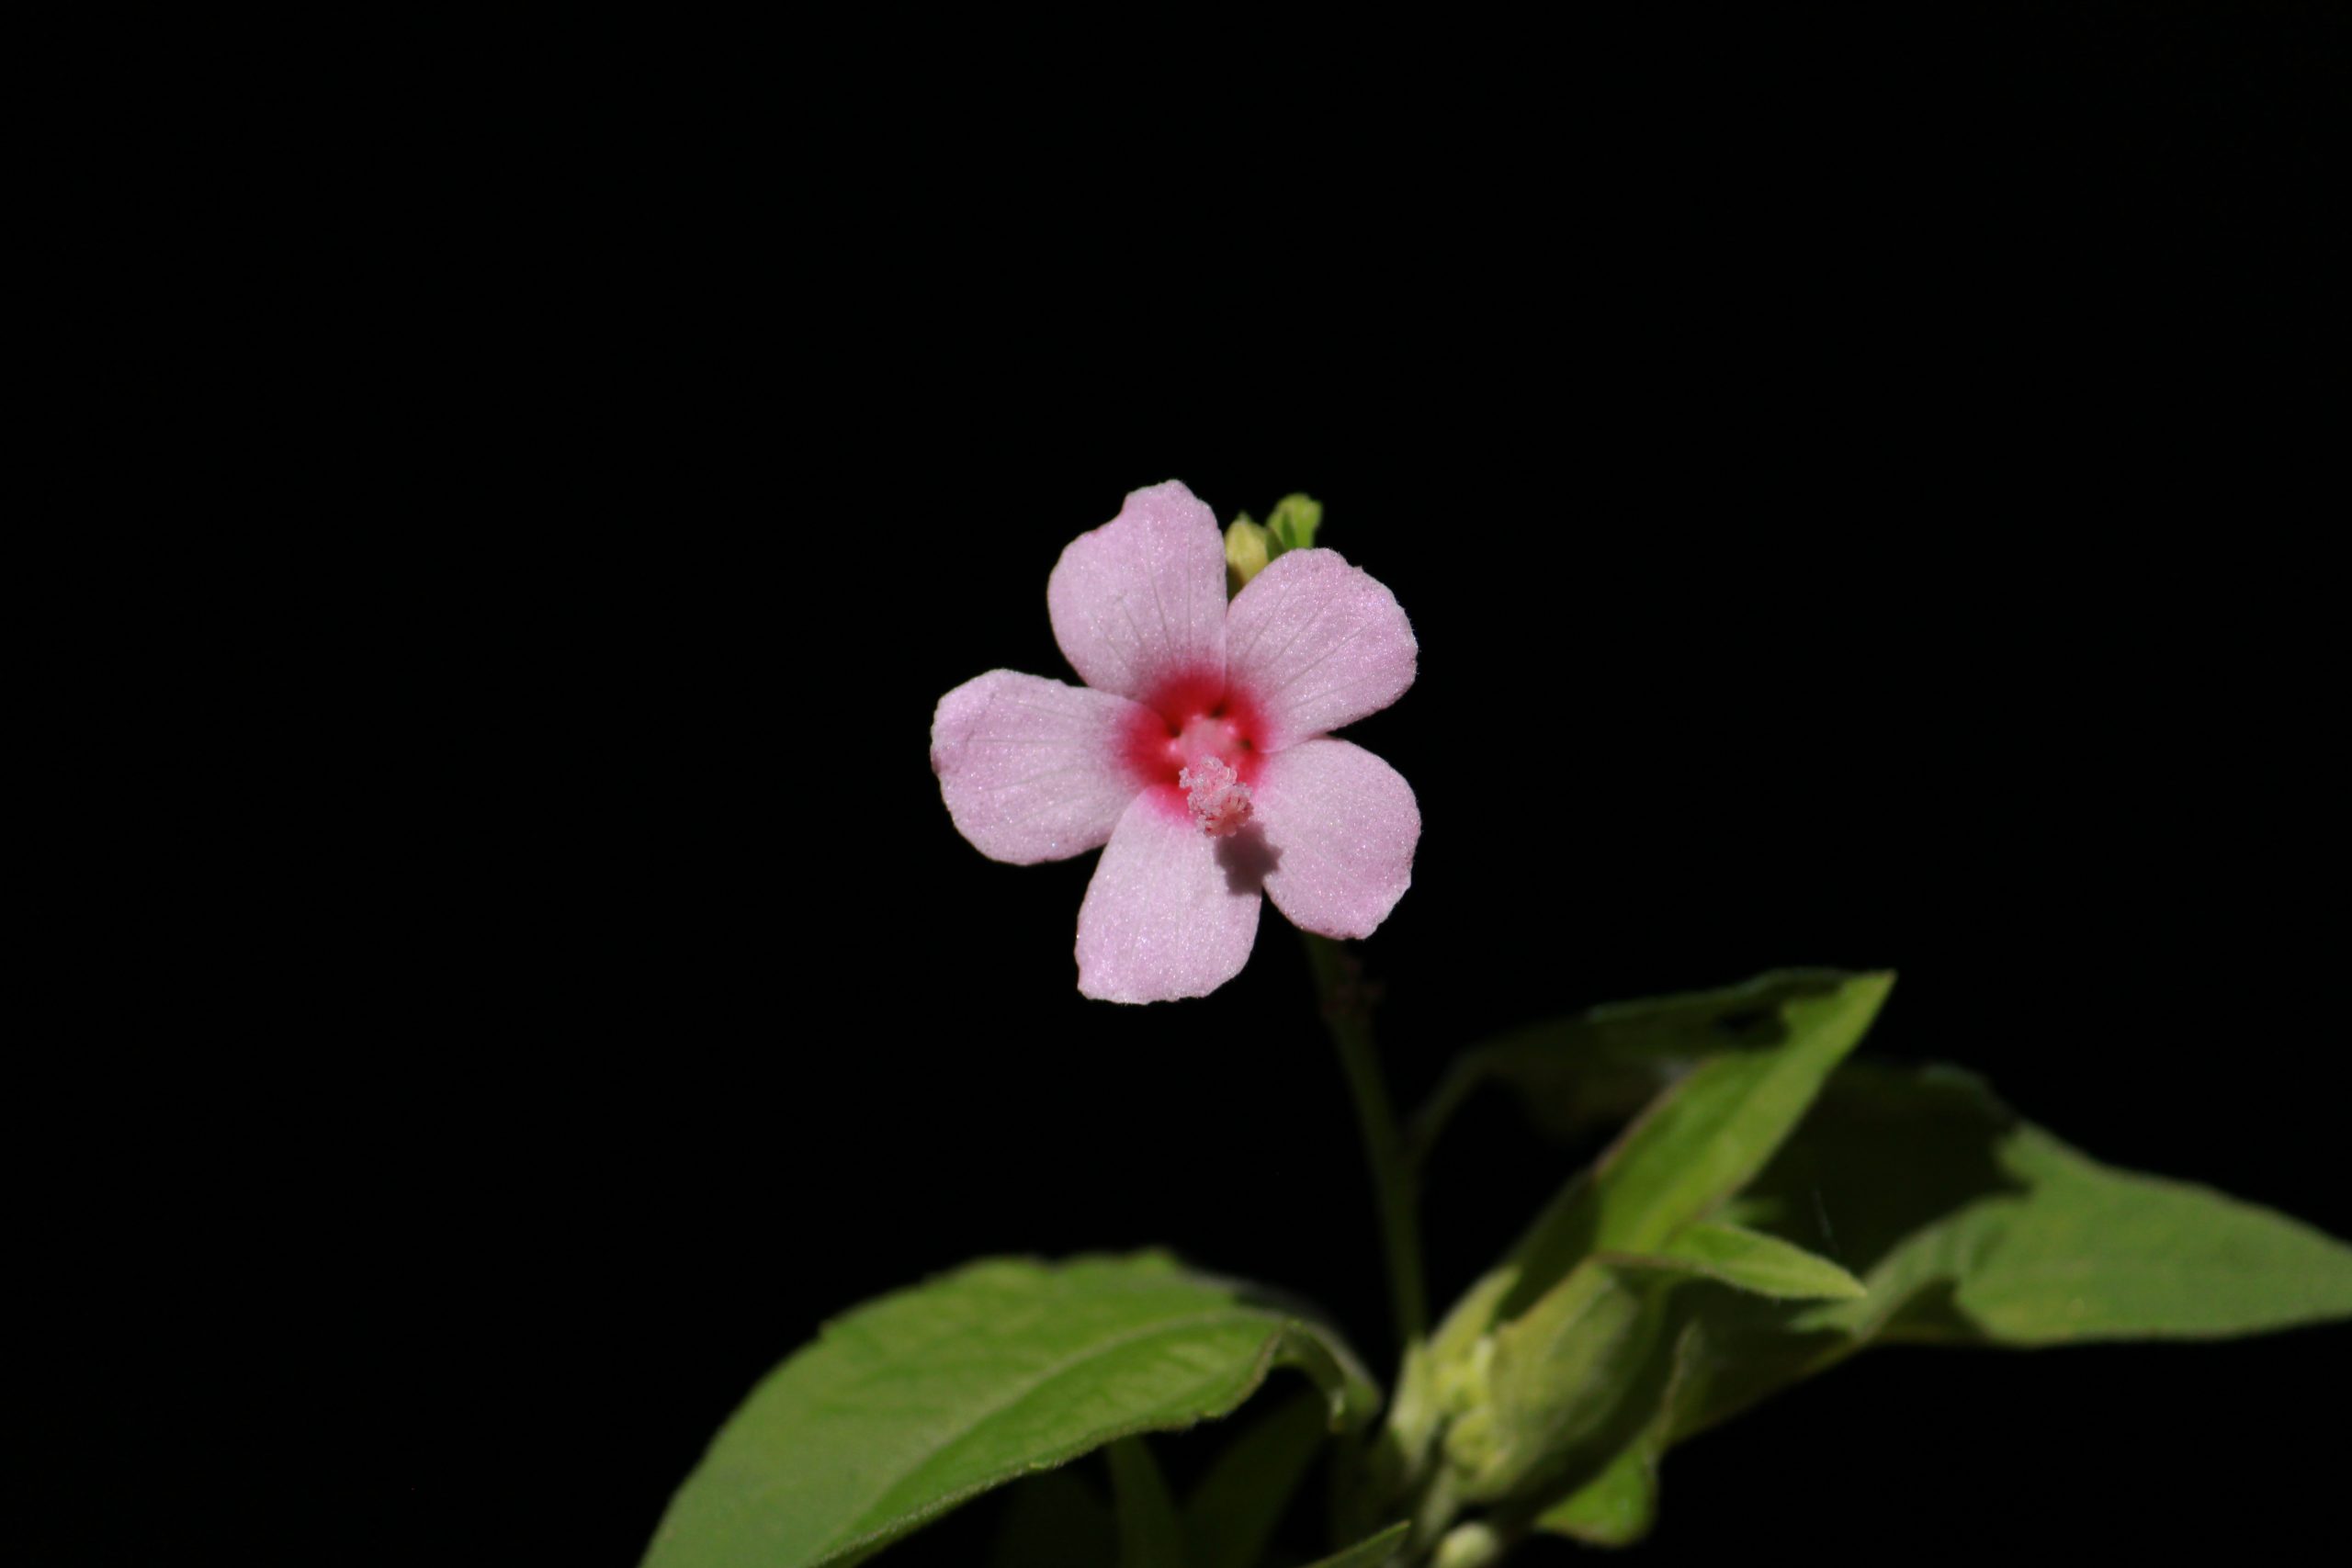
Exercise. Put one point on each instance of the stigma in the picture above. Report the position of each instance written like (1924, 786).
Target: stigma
(1217, 798)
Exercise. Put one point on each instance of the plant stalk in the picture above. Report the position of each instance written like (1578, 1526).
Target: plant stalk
(1347, 1013)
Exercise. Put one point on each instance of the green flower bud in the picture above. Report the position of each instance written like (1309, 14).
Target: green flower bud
(1246, 551)
(1469, 1546)
(1293, 521)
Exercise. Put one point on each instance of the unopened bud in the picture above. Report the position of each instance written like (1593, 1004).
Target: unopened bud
(1293, 523)
(1246, 551)
(1469, 1546)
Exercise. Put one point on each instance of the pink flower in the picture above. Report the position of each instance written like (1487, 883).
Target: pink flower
(1197, 755)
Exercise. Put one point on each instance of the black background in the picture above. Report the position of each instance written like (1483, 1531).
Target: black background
(1852, 492)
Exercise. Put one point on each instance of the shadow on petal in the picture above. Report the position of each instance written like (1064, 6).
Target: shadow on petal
(1247, 858)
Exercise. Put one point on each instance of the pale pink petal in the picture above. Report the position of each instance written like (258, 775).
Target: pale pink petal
(1172, 911)
(1140, 601)
(1032, 769)
(1340, 826)
(1315, 644)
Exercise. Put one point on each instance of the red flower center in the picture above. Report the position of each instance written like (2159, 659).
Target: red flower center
(1188, 720)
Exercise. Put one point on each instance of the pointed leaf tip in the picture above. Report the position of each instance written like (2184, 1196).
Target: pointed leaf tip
(1750, 1260)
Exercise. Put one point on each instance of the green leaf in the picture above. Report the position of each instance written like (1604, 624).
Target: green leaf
(921, 1400)
(1566, 1384)
(2060, 1249)
(1293, 523)
(1547, 1363)
(1369, 1554)
(1150, 1536)
(1752, 1261)
(1604, 1063)
(1617, 1508)
(1694, 1147)
(1232, 1513)
(1613, 1501)
(1969, 1226)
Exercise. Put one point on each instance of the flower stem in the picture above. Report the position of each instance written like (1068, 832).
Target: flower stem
(1347, 1013)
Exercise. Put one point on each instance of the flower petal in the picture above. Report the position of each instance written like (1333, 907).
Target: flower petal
(1316, 643)
(1172, 912)
(1032, 769)
(1141, 599)
(1341, 827)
